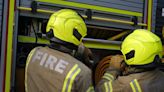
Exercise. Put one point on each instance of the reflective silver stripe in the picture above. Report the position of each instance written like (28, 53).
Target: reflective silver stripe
(68, 82)
(135, 86)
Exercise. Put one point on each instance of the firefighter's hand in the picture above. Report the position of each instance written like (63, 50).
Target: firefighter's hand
(85, 55)
(116, 62)
(88, 56)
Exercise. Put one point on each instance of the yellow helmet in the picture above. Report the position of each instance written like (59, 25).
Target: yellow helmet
(67, 26)
(141, 47)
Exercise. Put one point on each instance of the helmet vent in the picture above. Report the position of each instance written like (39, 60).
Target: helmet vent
(130, 54)
(77, 34)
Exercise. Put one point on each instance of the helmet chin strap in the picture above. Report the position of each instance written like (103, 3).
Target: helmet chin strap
(130, 69)
(62, 48)
(68, 45)
(152, 65)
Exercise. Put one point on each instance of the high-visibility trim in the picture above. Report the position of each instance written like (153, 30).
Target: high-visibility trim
(108, 76)
(90, 89)
(71, 76)
(72, 80)
(106, 87)
(132, 86)
(94, 7)
(27, 63)
(9, 39)
(135, 86)
(67, 77)
(138, 86)
(110, 86)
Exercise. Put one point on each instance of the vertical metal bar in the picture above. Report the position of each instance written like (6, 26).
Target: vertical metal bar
(145, 11)
(2, 61)
(9, 45)
(149, 23)
(154, 7)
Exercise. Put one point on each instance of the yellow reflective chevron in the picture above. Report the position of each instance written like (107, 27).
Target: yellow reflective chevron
(72, 74)
(135, 86)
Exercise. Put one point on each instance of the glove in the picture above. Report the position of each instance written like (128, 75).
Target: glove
(88, 54)
(88, 58)
(85, 55)
(116, 62)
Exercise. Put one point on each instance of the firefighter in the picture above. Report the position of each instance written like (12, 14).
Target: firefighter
(137, 70)
(54, 68)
